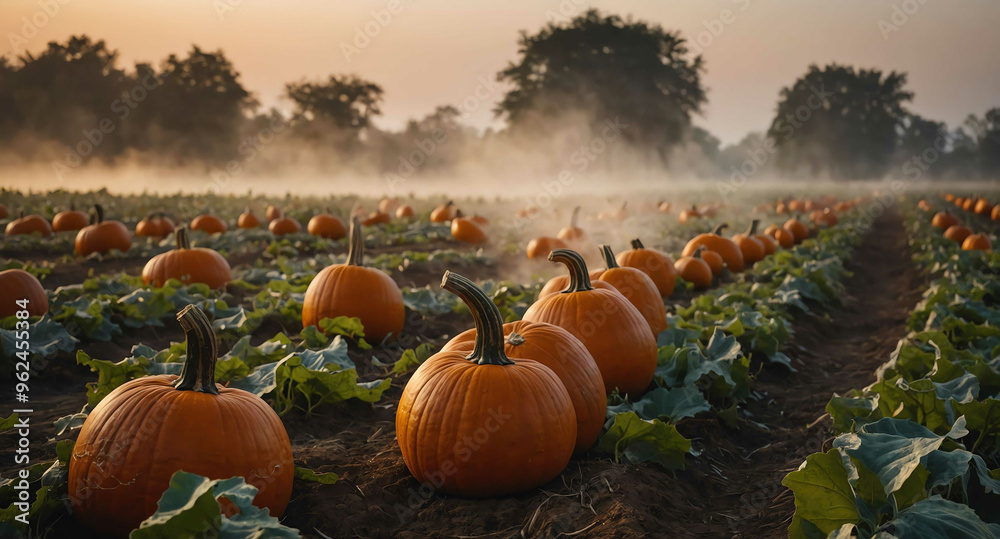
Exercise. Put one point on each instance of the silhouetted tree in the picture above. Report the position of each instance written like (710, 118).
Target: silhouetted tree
(840, 121)
(986, 131)
(347, 102)
(607, 67)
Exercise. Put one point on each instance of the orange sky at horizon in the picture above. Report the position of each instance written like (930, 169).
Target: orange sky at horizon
(437, 52)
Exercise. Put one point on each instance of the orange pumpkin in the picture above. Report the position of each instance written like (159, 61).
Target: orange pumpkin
(187, 265)
(609, 326)
(388, 205)
(506, 426)
(155, 225)
(540, 247)
(751, 247)
(983, 207)
(958, 233)
(995, 214)
(443, 213)
(637, 288)
(654, 263)
(713, 241)
(281, 225)
(405, 212)
(944, 220)
(354, 290)
(770, 245)
(695, 270)
(185, 423)
(713, 259)
(209, 224)
(377, 218)
(568, 358)
(969, 203)
(688, 215)
(272, 213)
(69, 220)
(664, 207)
(798, 230)
(327, 226)
(18, 285)
(29, 224)
(560, 283)
(102, 236)
(784, 238)
(949, 197)
(573, 233)
(977, 242)
(466, 230)
(247, 219)
(617, 216)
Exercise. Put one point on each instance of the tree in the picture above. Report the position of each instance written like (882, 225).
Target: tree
(607, 68)
(986, 130)
(348, 102)
(840, 121)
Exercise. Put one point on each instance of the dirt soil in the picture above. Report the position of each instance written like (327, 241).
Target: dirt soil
(731, 490)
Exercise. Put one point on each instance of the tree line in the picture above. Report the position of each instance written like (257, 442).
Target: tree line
(72, 103)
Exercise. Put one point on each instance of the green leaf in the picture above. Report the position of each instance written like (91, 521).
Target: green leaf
(671, 404)
(850, 413)
(7, 424)
(824, 498)
(639, 441)
(306, 474)
(938, 518)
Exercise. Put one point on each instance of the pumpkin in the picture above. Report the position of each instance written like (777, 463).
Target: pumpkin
(713, 241)
(558, 350)
(388, 205)
(466, 230)
(541, 246)
(247, 219)
(924, 205)
(405, 212)
(150, 427)
(637, 288)
(28, 224)
(969, 203)
(573, 233)
(694, 269)
(713, 260)
(69, 220)
(102, 236)
(606, 323)
(480, 424)
(794, 205)
(842, 206)
(810, 205)
(353, 290)
(959, 202)
(983, 207)
(751, 247)
(187, 265)
(688, 215)
(664, 207)
(798, 230)
(781, 208)
(559, 283)
(656, 264)
(784, 238)
(769, 243)
(995, 214)
(377, 218)
(155, 225)
(958, 233)
(974, 242)
(17, 285)
(326, 225)
(281, 225)
(944, 220)
(272, 213)
(442, 213)
(618, 215)
(209, 224)
(949, 197)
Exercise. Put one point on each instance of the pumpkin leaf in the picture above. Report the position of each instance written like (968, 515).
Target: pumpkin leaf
(306, 474)
(46, 338)
(638, 440)
(938, 518)
(7, 424)
(671, 404)
(824, 498)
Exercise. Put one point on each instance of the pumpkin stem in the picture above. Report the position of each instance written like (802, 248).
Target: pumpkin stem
(636, 244)
(515, 339)
(459, 214)
(752, 229)
(98, 213)
(718, 230)
(609, 257)
(356, 250)
(198, 373)
(579, 279)
(489, 349)
(573, 219)
(181, 236)
(449, 203)
(697, 252)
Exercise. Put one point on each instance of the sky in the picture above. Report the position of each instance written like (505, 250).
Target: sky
(437, 52)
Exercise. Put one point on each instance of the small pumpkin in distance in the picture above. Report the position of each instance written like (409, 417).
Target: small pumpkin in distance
(613, 331)
(751, 247)
(977, 242)
(353, 290)
(573, 233)
(29, 224)
(664, 207)
(376, 218)
(247, 219)
(688, 215)
(209, 224)
(541, 246)
(69, 220)
(969, 204)
(617, 216)
(388, 205)
(102, 236)
(200, 427)
(797, 228)
(695, 270)
(283, 225)
(944, 220)
(326, 225)
(18, 285)
(784, 238)
(522, 404)
(188, 265)
(983, 207)
(995, 214)
(769, 243)
(713, 241)
(466, 230)
(154, 225)
(405, 211)
(654, 263)
(958, 233)
(273, 212)
(637, 288)
(949, 197)
(443, 213)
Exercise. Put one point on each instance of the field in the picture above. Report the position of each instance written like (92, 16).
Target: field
(846, 384)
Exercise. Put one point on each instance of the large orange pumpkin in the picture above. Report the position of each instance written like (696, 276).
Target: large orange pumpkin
(637, 288)
(69, 220)
(559, 283)
(102, 236)
(353, 290)
(568, 358)
(750, 245)
(29, 224)
(187, 265)
(713, 259)
(154, 225)
(209, 224)
(19, 285)
(713, 241)
(695, 270)
(480, 424)
(606, 323)
(327, 226)
(656, 264)
(149, 428)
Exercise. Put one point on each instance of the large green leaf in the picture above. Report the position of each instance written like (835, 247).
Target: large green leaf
(638, 441)
(938, 518)
(824, 497)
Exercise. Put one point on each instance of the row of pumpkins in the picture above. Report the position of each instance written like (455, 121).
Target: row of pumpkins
(955, 230)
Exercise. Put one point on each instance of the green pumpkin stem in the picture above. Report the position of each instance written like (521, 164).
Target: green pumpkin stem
(489, 347)
(356, 250)
(636, 244)
(609, 257)
(718, 230)
(579, 279)
(752, 229)
(98, 213)
(573, 219)
(181, 236)
(198, 373)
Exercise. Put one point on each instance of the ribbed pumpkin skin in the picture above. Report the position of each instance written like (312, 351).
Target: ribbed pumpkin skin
(714, 261)
(17, 284)
(467, 231)
(560, 282)
(568, 358)
(145, 430)
(656, 264)
(727, 249)
(519, 419)
(69, 220)
(612, 330)
(209, 224)
(640, 291)
(154, 226)
(798, 230)
(188, 265)
(365, 293)
(695, 270)
(247, 220)
(284, 225)
(29, 224)
(102, 237)
(327, 226)
(975, 242)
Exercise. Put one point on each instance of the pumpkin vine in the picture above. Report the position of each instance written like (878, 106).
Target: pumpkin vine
(489, 345)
